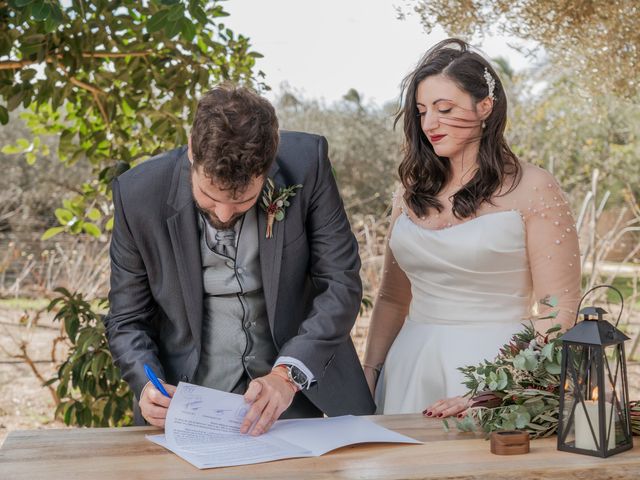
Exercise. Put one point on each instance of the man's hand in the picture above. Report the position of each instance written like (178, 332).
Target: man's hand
(269, 396)
(154, 405)
(447, 407)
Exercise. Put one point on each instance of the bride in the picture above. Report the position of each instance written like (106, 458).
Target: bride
(476, 235)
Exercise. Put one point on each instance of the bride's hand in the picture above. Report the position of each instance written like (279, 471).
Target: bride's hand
(371, 375)
(447, 407)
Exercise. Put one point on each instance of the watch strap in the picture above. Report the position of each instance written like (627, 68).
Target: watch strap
(284, 372)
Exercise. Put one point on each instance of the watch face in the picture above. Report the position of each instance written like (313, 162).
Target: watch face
(298, 376)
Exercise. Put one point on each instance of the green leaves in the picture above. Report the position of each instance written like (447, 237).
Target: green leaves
(4, 115)
(91, 229)
(176, 12)
(173, 21)
(143, 64)
(526, 360)
(51, 232)
(15, 99)
(553, 368)
(519, 389)
(188, 30)
(547, 351)
(90, 388)
(498, 380)
(22, 144)
(65, 217)
(40, 10)
(515, 417)
(158, 21)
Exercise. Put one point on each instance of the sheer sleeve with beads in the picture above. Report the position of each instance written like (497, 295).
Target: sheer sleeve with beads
(552, 246)
(392, 302)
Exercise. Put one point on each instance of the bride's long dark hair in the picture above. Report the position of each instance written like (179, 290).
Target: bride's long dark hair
(423, 173)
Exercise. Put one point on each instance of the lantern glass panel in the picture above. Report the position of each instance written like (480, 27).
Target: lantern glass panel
(581, 415)
(569, 405)
(615, 396)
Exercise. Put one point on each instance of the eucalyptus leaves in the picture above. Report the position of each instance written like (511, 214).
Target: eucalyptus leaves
(519, 389)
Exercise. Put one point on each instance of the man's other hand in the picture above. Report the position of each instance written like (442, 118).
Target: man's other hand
(269, 397)
(154, 405)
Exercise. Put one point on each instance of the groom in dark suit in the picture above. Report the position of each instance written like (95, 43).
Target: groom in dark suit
(216, 280)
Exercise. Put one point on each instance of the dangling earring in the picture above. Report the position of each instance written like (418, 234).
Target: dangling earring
(484, 124)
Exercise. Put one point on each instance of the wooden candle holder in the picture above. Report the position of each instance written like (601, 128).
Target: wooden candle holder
(509, 442)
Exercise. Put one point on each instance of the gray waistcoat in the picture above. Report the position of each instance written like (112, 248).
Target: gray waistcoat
(236, 338)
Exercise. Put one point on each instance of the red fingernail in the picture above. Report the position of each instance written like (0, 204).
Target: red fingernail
(439, 415)
(429, 414)
(460, 415)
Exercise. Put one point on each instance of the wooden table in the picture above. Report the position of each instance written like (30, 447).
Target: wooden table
(124, 453)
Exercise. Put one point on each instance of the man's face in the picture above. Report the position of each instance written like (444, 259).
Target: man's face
(221, 207)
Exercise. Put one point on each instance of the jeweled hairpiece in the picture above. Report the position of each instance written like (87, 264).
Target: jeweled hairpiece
(491, 83)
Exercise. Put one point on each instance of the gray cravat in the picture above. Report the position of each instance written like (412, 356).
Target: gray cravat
(225, 243)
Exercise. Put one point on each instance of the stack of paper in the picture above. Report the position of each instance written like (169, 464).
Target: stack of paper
(203, 427)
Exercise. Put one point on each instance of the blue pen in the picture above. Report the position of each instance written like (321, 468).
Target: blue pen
(153, 379)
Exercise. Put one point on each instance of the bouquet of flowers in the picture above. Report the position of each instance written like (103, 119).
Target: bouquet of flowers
(519, 389)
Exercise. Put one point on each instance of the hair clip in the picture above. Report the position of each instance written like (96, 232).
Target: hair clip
(491, 83)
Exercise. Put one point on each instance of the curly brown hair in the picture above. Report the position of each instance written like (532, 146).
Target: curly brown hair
(234, 137)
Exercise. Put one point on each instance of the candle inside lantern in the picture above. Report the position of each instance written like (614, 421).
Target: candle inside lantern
(584, 437)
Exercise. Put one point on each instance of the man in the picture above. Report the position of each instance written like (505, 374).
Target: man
(207, 287)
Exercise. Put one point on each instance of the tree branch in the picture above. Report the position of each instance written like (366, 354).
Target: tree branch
(15, 64)
(8, 65)
(18, 64)
(86, 86)
(116, 54)
(94, 90)
(29, 361)
(22, 345)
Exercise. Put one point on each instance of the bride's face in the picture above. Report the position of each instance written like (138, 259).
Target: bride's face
(448, 116)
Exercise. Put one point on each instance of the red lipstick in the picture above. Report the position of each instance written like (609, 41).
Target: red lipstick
(436, 138)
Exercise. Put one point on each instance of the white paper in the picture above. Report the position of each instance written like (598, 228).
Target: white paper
(203, 427)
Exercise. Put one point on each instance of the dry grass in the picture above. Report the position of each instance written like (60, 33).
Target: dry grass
(79, 264)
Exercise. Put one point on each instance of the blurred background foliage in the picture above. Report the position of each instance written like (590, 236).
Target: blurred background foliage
(363, 146)
(90, 88)
(598, 40)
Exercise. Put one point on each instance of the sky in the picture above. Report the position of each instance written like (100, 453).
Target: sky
(322, 48)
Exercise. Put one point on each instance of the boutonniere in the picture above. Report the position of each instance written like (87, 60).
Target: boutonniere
(274, 203)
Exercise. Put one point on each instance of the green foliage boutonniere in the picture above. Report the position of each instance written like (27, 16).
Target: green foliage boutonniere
(274, 203)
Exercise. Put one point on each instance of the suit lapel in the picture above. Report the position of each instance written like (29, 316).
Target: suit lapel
(185, 241)
(270, 253)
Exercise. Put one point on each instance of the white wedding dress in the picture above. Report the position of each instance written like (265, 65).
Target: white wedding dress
(471, 288)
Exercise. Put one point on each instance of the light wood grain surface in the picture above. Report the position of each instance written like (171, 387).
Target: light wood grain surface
(123, 454)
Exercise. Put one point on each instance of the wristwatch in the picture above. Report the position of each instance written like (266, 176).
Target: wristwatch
(296, 376)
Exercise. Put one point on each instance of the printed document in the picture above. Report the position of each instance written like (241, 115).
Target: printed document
(203, 427)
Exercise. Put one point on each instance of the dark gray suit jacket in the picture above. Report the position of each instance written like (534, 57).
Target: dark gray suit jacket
(310, 272)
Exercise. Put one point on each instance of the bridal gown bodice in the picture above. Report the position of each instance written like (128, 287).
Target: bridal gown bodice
(471, 290)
